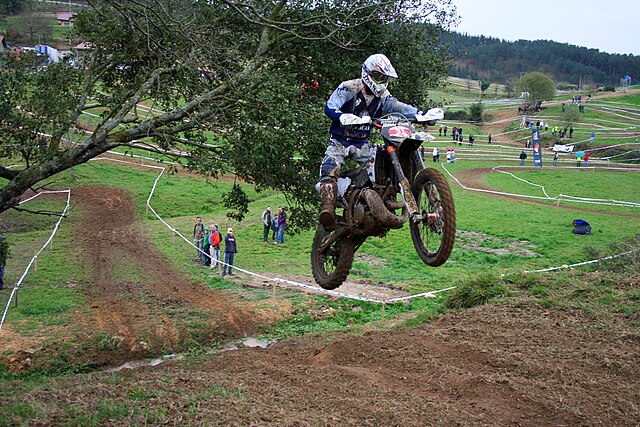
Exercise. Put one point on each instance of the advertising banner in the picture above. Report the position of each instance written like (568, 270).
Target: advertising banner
(537, 148)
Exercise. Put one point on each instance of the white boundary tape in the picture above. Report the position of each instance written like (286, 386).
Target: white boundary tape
(560, 197)
(593, 261)
(33, 259)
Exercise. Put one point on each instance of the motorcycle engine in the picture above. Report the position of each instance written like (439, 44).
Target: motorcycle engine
(383, 168)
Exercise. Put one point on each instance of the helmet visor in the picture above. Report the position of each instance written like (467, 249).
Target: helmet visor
(380, 78)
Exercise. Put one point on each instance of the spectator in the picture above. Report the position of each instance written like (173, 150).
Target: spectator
(546, 127)
(554, 162)
(454, 135)
(230, 251)
(490, 137)
(571, 132)
(460, 137)
(586, 159)
(422, 153)
(436, 154)
(445, 130)
(4, 254)
(578, 161)
(214, 247)
(274, 227)
(266, 222)
(564, 107)
(593, 136)
(198, 237)
(206, 259)
(282, 224)
(527, 144)
(522, 156)
(440, 131)
(471, 140)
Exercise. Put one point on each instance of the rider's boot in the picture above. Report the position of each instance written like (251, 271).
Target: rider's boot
(328, 190)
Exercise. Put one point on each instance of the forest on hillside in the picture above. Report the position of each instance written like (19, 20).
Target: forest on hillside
(496, 60)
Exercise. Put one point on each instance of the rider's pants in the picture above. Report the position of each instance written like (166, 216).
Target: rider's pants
(335, 155)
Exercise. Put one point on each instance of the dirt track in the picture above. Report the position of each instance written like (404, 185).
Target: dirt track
(142, 317)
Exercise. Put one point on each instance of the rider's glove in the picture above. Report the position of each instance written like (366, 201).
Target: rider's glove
(352, 119)
(430, 116)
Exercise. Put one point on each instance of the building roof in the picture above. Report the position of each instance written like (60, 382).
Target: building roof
(64, 16)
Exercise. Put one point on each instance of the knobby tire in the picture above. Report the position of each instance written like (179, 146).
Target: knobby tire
(425, 182)
(331, 268)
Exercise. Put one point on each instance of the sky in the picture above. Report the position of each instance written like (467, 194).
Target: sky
(612, 26)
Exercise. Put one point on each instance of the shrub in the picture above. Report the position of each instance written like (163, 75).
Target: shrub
(457, 115)
(478, 290)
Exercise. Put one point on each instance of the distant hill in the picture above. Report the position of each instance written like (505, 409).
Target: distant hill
(488, 58)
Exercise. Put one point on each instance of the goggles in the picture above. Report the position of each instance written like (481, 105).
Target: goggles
(380, 78)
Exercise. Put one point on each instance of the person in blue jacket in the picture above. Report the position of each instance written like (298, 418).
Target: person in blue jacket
(230, 251)
(351, 108)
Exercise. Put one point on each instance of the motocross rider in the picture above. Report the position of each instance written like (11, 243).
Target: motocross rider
(351, 107)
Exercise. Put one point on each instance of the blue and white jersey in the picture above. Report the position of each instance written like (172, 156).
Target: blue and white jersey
(350, 98)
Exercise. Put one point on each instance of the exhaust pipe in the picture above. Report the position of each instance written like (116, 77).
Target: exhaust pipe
(381, 212)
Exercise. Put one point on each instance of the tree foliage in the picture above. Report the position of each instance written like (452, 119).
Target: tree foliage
(489, 58)
(11, 7)
(229, 83)
(538, 85)
(475, 112)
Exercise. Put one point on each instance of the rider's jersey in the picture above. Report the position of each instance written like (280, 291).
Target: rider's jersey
(350, 98)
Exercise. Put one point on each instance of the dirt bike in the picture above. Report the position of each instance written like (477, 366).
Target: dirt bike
(368, 197)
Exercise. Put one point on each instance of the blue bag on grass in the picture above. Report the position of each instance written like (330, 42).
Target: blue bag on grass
(580, 226)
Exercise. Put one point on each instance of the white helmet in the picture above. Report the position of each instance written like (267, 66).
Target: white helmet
(377, 72)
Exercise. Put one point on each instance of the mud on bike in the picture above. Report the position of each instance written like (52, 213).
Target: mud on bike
(383, 194)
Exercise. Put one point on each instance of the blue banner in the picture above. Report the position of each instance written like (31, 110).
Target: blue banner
(537, 148)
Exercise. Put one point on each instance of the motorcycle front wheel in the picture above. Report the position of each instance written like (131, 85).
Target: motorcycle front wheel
(331, 266)
(434, 234)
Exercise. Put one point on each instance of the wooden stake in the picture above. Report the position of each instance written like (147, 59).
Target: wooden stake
(383, 304)
(273, 285)
(35, 264)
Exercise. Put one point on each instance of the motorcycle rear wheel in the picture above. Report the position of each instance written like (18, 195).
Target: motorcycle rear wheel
(433, 238)
(331, 267)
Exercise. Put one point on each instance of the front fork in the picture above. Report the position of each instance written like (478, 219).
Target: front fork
(405, 188)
